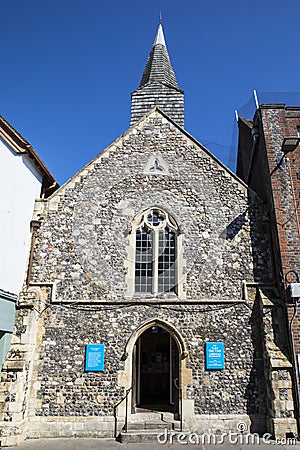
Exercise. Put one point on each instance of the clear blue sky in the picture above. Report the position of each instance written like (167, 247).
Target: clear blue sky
(68, 67)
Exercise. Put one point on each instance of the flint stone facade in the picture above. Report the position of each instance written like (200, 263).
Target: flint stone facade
(81, 291)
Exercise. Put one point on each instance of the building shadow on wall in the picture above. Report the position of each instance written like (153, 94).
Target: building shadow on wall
(234, 227)
(265, 287)
(256, 389)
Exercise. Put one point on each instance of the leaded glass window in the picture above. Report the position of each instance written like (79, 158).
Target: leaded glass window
(155, 253)
(143, 260)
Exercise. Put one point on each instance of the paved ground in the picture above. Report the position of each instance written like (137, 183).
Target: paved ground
(111, 444)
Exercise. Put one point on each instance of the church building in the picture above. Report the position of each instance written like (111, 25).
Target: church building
(149, 300)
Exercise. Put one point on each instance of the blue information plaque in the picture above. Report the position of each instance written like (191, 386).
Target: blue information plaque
(214, 352)
(94, 358)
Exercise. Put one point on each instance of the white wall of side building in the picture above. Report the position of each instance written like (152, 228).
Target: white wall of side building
(20, 185)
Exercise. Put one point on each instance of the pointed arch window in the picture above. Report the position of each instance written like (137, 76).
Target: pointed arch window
(155, 253)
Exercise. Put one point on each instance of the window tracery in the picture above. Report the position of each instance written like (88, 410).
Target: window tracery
(155, 252)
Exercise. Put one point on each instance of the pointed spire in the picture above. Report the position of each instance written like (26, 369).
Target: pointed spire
(158, 85)
(159, 67)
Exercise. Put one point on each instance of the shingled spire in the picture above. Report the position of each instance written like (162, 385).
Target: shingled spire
(158, 85)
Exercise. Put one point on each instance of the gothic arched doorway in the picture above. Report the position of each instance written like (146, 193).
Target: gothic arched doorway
(156, 371)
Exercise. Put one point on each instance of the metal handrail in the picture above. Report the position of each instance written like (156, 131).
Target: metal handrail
(126, 412)
(179, 388)
(180, 400)
(125, 426)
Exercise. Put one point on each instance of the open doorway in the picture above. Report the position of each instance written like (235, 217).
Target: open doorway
(156, 371)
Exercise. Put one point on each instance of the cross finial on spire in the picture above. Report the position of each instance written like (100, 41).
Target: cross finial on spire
(160, 18)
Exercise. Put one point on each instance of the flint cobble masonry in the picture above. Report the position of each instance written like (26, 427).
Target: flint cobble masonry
(81, 291)
(93, 237)
(67, 390)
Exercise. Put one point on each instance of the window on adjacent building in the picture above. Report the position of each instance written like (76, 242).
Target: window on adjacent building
(155, 253)
(298, 131)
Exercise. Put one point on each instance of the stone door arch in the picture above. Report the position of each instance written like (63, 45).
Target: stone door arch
(127, 378)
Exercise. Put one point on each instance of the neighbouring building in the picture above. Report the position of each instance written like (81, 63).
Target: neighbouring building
(23, 179)
(269, 162)
(150, 299)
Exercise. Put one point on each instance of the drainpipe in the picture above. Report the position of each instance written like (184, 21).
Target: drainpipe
(294, 294)
(296, 374)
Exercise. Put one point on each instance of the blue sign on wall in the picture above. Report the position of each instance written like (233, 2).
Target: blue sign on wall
(94, 358)
(214, 352)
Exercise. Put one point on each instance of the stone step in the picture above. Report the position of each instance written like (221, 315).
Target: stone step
(136, 426)
(152, 416)
(141, 437)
